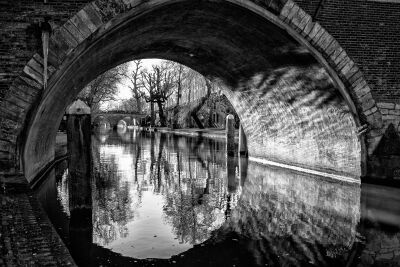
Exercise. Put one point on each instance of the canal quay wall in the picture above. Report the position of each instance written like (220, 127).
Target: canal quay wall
(211, 133)
(27, 237)
(220, 134)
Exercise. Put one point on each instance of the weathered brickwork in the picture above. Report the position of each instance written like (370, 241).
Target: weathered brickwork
(390, 113)
(369, 32)
(20, 37)
(20, 33)
(382, 249)
(27, 236)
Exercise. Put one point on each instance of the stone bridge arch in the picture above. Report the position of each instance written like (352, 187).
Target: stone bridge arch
(122, 123)
(114, 118)
(252, 48)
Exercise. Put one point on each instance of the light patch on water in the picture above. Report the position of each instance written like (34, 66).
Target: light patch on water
(63, 192)
(149, 236)
(141, 209)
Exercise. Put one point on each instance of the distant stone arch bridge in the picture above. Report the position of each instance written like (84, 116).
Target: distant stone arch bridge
(114, 118)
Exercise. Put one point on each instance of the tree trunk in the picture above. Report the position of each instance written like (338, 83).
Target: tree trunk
(137, 161)
(178, 96)
(152, 118)
(197, 121)
(138, 104)
(210, 117)
(160, 151)
(161, 114)
(176, 108)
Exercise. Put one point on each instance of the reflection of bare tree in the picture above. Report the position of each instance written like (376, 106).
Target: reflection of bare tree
(152, 156)
(159, 169)
(159, 162)
(137, 159)
(111, 205)
(192, 204)
(166, 162)
(199, 158)
(194, 211)
(193, 186)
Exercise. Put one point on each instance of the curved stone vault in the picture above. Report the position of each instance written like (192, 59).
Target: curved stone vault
(299, 96)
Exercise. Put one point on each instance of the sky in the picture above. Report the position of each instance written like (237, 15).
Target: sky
(123, 91)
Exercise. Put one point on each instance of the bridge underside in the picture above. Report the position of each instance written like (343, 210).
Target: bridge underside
(293, 107)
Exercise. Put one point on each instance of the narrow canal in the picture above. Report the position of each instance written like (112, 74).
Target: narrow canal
(161, 200)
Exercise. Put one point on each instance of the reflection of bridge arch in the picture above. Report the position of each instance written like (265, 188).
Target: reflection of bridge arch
(105, 124)
(101, 123)
(122, 123)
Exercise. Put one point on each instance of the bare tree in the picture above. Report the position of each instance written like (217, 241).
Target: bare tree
(136, 83)
(179, 72)
(186, 81)
(128, 105)
(103, 88)
(192, 83)
(158, 84)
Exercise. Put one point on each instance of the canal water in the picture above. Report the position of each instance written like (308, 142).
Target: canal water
(161, 200)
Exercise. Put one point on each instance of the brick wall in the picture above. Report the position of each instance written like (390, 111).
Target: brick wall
(369, 31)
(20, 39)
(20, 33)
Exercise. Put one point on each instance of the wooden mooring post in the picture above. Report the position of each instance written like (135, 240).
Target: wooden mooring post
(242, 142)
(230, 135)
(79, 155)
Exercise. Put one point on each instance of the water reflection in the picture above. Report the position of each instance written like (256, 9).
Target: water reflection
(294, 219)
(158, 196)
(380, 210)
(164, 200)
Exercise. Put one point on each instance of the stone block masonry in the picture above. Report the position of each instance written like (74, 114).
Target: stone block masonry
(297, 131)
(20, 32)
(390, 114)
(27, 237)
